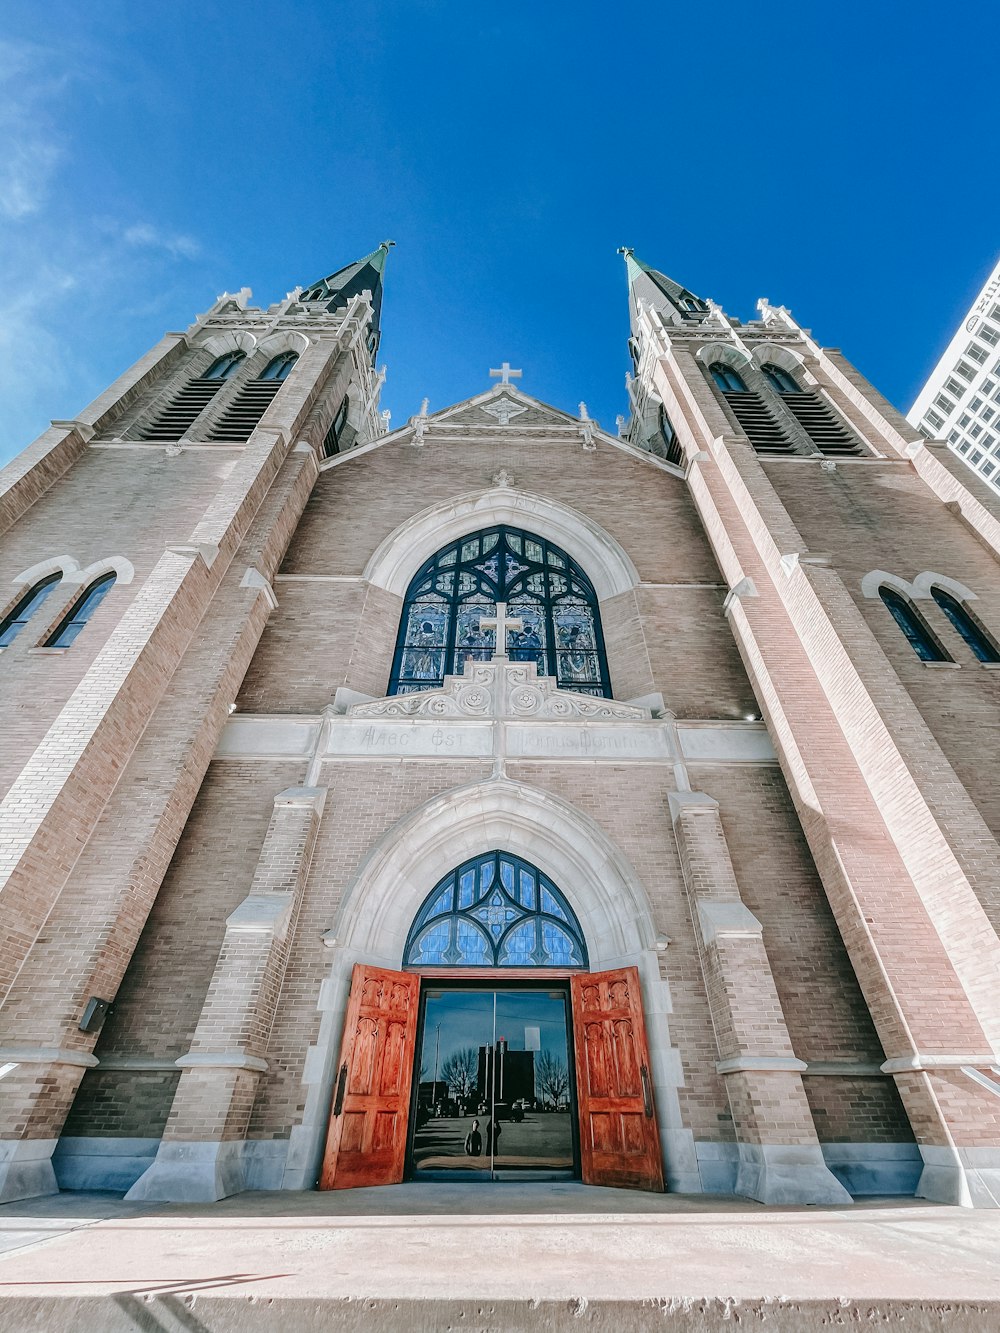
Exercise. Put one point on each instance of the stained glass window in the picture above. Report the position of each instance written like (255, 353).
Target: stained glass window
(969, 628)
(495, 911)
(561, 623)
(80, 612)
(914, 627)
(23, 610)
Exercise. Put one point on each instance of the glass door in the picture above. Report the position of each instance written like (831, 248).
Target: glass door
(494, 1085)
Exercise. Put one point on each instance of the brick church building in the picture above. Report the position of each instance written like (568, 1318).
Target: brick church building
(332, 752)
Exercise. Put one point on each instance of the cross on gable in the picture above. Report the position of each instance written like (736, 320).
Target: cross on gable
(505, 374)
(501, 624)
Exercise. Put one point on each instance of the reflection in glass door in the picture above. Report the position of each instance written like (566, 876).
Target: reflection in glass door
(494, 1085)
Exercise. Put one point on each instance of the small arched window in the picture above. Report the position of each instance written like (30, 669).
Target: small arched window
(913, 625)
(671, 443)
(969, 628)
(780, 380)
(22, 611)
(223, 367)
(80, 612)
(728, 380)
(279, 367)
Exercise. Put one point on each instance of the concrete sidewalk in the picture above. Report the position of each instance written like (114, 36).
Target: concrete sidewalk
(492, 1257)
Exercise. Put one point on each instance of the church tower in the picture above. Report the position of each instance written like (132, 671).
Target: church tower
(496, 794)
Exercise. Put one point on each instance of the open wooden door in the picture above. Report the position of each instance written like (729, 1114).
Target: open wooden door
(366, 1144)
(619, 1139)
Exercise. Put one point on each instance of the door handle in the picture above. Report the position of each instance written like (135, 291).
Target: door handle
(647, 1092)
(338, 1101)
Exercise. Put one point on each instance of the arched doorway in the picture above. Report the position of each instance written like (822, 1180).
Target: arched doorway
(495, 1053)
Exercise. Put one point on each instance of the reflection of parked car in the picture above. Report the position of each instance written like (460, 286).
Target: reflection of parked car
(517, 1113)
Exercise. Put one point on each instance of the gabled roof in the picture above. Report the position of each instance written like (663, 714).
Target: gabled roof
(364, 275)
(674, 303)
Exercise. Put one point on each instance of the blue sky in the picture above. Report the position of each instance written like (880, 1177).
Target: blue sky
(152, 156)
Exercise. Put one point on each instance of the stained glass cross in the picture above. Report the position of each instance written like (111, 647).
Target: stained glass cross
(501, 624)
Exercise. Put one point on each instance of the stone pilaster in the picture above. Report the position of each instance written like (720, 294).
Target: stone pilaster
(200, 1156)
(780, 1157)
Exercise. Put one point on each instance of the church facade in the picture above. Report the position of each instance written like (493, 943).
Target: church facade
(495, 796)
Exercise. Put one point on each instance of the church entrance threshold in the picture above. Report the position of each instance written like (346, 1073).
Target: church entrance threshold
(494, 1094)
(558, 1080)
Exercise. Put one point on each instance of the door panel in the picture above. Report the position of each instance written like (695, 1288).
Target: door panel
(366, 1144)
(619, 1139)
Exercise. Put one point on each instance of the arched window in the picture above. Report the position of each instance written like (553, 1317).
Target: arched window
(561, 622)
(279, 367)
(728, 380)
(223, 367)
(331, 443)
(969, 628)
(495, 911)
(913, 625)
(80, 612)
(22, 611)
(671, 444)
(241, 416)
(780, 380)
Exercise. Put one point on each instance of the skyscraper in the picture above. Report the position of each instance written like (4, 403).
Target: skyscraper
(960, 402)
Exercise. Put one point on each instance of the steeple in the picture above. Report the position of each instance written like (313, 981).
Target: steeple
(674, 303)
(364, 275)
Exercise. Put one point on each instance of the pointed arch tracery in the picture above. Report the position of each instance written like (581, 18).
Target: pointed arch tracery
(439, 629)
(495, 910)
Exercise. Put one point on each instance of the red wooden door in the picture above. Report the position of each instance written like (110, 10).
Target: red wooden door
(366, 1144)
(619, 1140)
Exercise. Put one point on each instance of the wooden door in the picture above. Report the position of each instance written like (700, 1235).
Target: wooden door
(366, 1144)
(619, 1139)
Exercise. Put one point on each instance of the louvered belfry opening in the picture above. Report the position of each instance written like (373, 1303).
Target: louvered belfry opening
(823, 426)
(754, 417)
(175, 420)
(237, 422)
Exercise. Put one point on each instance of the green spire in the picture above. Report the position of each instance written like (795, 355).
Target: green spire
(674, 303)
(364, 275)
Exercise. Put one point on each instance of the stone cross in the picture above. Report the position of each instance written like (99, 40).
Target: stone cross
(501, 624)
(505, 374)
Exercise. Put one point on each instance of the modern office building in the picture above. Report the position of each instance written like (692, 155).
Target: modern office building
(960, 402)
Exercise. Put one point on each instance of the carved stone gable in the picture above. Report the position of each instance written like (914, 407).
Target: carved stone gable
(502, 689)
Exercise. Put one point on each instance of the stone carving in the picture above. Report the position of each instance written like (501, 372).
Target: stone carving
(503, 408)
(502, 689)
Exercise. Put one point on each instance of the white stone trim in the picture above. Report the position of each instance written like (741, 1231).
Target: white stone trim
(761, 1064)
(46, 1055)
(928, 580)
(878, 578)
(231, 341)
(285, 340)
(61, 564)
(728, 353)
(401, 554)
(122, 568)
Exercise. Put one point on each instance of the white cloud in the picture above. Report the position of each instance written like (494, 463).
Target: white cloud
(30, 148)
(143, 235)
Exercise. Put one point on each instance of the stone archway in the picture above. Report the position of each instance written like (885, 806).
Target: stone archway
(392, 882)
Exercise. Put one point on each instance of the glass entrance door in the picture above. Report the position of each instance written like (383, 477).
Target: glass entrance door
(494, 1085)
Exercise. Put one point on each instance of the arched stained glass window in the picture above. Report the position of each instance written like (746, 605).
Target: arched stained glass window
(495, 911)
(728, 380)
(913, 625)
(779, 379)
(25, 608)
(969, 628)
(80, 612)
(279, 367)
(561, 622)
(225, 366)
